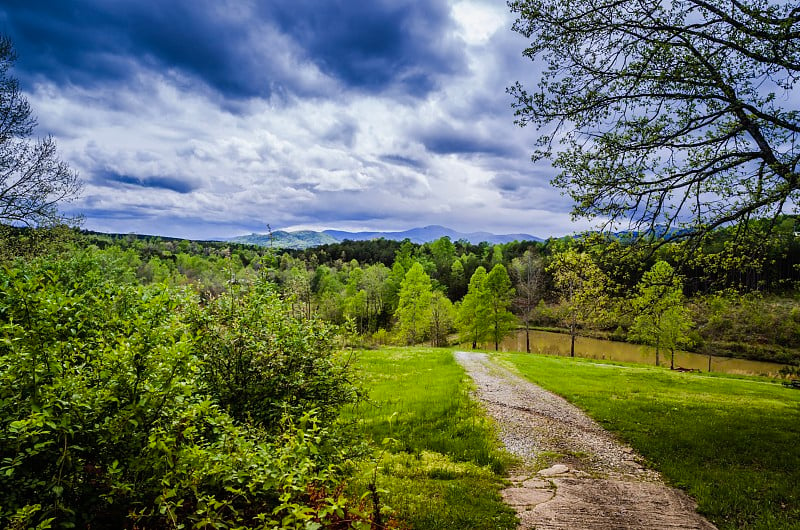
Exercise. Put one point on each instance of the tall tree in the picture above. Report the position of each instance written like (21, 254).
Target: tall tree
(443, 252)
(297, 284)
(666, 114)
(33, 181)
(414, 304)
(458, 281)
(528, 272)
(662, 319)
(500, 293)
(583, 290)
(442, 318)
(473, 313)
(375, 285)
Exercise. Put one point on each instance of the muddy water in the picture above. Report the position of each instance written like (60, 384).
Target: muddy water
(558, 344)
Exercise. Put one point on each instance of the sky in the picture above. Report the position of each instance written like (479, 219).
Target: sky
(213, 118)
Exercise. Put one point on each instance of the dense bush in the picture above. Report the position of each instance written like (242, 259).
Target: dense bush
(109, 417)
(261, 363)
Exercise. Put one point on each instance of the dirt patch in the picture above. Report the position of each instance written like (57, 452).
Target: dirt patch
(574, 474)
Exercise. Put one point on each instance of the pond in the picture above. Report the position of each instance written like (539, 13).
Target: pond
(559, 343)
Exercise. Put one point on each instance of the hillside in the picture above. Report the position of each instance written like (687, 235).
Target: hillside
(281, 239)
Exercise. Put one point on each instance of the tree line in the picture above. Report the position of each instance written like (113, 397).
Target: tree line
(437, 292)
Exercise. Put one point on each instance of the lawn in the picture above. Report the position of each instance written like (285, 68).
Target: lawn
(435, 453)
(733, 443)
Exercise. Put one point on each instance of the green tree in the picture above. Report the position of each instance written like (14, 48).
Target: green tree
(529, 274)
(654, 111)
(414, 305)
(497, 255)
(396, 277)
(583, 290)
(473, 313)
(376, 288)
(297, 285)
(458, 280)
(662, 319)
(355, 307)
(443, 252)
(442, 318)
(405, 255)
(500, 295)
(33, 181)
(329, 294)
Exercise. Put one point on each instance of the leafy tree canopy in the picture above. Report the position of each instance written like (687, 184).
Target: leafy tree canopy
(662, 319)
(414, 306)
(666, 114)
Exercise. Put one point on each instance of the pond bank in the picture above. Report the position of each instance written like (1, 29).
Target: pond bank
(559, 344)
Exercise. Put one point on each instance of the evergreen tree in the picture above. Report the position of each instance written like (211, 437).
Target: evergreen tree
(500, 293)
(414, 305)
(473, 313)
(442, 317)
(458, 281)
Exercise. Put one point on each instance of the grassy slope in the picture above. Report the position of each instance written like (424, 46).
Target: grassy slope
(732, 443)
(443, 470)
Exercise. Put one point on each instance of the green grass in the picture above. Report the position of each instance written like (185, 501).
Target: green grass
(444, 469)
(733, 443)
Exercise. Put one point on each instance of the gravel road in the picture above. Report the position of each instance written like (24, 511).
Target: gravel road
(574, 474)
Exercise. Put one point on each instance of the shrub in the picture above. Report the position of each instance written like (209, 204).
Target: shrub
(261, 362)
(106, 422)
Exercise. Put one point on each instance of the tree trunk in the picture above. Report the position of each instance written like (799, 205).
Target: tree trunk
(527, 338)
(672, 359)
(657, 346)
(709, 362)
(572, 342)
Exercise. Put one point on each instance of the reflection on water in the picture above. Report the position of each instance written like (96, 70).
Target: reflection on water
(558, 344)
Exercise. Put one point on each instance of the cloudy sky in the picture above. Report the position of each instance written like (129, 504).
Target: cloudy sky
(212, 118)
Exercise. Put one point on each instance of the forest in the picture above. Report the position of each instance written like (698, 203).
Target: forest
(737, 292)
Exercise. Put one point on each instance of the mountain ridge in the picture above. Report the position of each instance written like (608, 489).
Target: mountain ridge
(301, 239)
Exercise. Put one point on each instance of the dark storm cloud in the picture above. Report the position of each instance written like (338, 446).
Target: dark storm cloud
(87, 43)
(377, 44)
(530, 190)
(240, 53)
(112, 178)
(447, 140)
(508, 183)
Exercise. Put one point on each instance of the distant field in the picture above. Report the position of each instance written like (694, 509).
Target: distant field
(733, 443)
(443, 469)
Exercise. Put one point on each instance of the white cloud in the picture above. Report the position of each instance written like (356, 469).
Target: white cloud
(478, 21)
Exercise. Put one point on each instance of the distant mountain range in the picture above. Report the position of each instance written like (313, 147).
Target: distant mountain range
(308, 238)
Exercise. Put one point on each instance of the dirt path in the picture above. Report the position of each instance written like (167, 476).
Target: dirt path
(575, 475)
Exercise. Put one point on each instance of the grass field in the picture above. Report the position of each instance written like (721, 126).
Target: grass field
(444, 469)
(733, 443)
